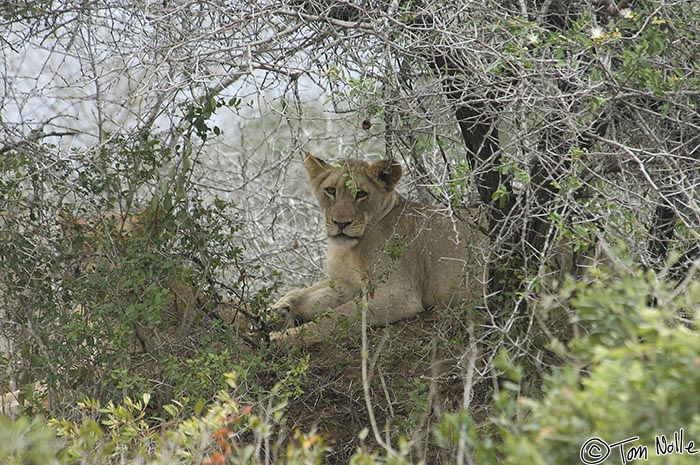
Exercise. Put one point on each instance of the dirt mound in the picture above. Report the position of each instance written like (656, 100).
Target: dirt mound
(415, 371)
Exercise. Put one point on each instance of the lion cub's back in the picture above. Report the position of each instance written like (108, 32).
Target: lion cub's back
(450, 254)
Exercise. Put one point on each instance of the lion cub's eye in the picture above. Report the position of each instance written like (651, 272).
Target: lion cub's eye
(359, 195)
(330, 191)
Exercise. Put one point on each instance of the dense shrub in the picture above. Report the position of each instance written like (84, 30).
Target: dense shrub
(120, 278)
(631, 372)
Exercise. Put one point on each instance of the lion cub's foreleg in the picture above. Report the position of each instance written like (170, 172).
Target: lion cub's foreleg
(304, 305)
(384, 309)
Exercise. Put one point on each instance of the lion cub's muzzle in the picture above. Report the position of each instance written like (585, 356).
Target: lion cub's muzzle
(345, 229)
(341, 224)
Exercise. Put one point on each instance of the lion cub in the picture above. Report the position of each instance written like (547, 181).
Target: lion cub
(399, 257)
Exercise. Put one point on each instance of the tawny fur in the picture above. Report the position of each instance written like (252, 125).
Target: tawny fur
(396, 256)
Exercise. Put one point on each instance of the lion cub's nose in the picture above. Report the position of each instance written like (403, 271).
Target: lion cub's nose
(341, 224)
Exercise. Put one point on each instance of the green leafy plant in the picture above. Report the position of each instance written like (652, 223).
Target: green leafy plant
(631, 373)
(122, 293)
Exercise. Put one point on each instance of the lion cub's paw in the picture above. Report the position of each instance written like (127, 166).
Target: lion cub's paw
(281, 309)
(287, 308)
(276, 336)
(284, 306)
(290, 337)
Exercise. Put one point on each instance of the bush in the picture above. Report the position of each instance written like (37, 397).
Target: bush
(631, 373)
(119, 434)
(120, 278)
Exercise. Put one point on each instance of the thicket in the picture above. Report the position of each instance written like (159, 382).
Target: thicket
(119, 277)
(137, 260)
(631, 374)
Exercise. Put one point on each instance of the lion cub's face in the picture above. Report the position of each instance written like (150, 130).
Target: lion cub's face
(353, 195)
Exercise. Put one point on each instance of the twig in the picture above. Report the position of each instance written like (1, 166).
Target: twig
(33, 138)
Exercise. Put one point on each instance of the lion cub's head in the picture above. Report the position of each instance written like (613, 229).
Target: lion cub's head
(353, 195)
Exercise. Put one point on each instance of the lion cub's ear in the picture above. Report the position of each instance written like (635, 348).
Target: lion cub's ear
(387, 172)
(315, 166)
